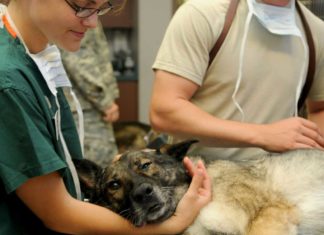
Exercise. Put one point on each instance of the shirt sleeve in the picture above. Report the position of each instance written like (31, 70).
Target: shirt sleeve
(188, 40)
(27, 148)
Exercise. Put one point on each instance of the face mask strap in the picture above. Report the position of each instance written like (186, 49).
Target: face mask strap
(240, 73)
(67, 154)
(302, 79)
(80, 119)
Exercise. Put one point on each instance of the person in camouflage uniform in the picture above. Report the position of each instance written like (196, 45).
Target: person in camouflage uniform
(91, 74)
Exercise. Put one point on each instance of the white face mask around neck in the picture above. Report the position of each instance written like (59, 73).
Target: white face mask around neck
(277, 20)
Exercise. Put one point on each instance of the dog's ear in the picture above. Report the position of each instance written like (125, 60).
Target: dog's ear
(180, 149)
(88, 172)
(158, 142)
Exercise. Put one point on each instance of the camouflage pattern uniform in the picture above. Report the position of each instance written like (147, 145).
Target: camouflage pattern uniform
(91, 74)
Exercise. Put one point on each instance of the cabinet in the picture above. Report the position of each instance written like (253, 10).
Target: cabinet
(120, 29)
(128, 101)
(145, 22)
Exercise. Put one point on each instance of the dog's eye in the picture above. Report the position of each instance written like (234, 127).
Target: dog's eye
(145, 166)
(114, 185)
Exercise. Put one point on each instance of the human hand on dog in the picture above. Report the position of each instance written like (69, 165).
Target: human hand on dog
(288, 134)
(201, 183)
(198, 195)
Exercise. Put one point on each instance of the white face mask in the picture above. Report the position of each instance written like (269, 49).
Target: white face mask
(50, 65)
(276, 19)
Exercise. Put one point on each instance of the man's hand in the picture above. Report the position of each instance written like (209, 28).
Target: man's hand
(291, 133)
(112, 113)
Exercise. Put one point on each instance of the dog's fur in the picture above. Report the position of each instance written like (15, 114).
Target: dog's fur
(275, 195)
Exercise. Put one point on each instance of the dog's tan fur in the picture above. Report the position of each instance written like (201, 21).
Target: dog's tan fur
(274, 195)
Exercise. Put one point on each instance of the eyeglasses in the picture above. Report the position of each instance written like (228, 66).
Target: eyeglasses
(83, 12)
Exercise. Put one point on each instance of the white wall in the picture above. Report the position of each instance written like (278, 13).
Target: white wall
(153, 18)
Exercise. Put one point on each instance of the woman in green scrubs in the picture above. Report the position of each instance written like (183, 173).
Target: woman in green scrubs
(39, 188)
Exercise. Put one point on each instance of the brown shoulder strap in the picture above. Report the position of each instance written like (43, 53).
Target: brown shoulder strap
(312, 59)
(228, 22)
(312, 56)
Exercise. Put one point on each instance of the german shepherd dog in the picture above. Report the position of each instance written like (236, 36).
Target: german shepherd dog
(278, 194)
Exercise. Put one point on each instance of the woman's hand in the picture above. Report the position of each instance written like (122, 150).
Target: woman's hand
(198, 195)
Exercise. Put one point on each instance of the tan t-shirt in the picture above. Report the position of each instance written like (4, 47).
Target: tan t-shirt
(272, 66)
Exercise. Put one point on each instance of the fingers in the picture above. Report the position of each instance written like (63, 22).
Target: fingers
(111, 117)
(111, 114)
(197, 181)
(311, 135)
(309, 124)
(201, 182)
(207, 185)
(306, 142)
(189, 166)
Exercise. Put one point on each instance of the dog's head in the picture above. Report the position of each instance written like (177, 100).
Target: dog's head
(143, 186)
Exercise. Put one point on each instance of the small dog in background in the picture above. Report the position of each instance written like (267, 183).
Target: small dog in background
(281, 194)
(133, 135)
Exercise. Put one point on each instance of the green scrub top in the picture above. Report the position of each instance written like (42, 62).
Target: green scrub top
(28, 143)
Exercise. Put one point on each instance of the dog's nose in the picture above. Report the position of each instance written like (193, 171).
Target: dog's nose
(143, 192)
